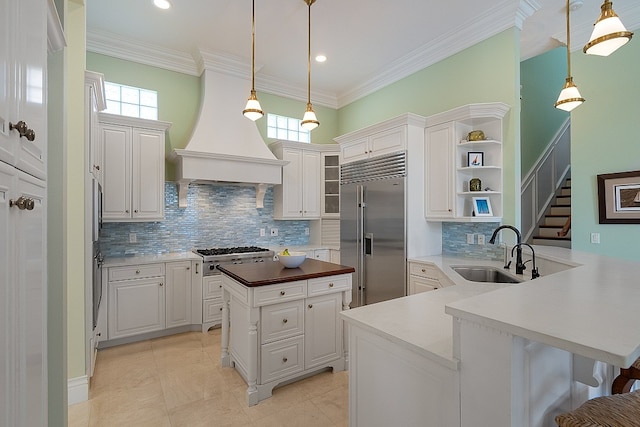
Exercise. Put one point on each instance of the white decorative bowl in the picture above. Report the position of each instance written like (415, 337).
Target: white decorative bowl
(293, 260)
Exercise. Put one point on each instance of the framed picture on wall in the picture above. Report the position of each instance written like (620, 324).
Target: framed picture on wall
(619, 198)
(475, 159)
(482, 206)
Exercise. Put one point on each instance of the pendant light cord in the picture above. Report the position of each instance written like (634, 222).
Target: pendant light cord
(253, 44)
(309, 55)
(568, 43)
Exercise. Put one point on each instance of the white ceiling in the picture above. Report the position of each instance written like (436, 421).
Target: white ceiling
(369, 43)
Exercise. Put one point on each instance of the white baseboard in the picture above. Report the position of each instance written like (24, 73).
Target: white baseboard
(78, 389)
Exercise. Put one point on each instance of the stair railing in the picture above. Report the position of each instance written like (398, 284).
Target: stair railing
(540, 184)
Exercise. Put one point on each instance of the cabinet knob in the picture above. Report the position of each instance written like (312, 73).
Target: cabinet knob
(137, 271)
(135, 211)
(310, 305)
(282, 293)
(220, 286)
(161, 283)
(23, 203)
(423, 270)
(126, 210)
(220, 308)
(99, 334)
(331, 285)
(284, 360)
(188, 268)
(284, 320)
(96, 167)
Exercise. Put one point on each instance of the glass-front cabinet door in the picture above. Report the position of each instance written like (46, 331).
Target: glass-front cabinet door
(330, 185)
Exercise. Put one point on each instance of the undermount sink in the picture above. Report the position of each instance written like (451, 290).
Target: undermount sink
(484, 274)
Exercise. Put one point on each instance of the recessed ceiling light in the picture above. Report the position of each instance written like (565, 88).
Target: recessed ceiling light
(162, 4)
(321, 58)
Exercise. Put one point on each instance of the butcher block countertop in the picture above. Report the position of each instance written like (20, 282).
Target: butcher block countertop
(272, 272)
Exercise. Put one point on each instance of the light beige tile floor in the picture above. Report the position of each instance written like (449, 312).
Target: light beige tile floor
(178, 381)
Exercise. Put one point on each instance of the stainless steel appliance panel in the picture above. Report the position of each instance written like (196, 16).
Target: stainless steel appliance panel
(384, 266)
(350, 236)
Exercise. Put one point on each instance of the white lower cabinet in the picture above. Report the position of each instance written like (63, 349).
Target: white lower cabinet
(178, 293)
(150, 297)
(424, 276)
(319, 254)
(136, 306)
(283, 331)
(211, 301)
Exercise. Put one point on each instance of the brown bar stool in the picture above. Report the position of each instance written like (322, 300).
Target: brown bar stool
(619, 410)
(623, 382)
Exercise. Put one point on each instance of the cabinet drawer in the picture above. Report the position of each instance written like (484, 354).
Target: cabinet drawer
(425, 270)
(211, 310)
(135, 272)
(325, 285)
(212, 286)
(281, 358)
(273, 294)
(282, 320)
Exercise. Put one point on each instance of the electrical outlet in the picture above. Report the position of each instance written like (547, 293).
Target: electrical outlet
(481, 239)
(470, 239)
(133, 238)
(306, 231)
(274, 231)
(595, 238)
(263, 232)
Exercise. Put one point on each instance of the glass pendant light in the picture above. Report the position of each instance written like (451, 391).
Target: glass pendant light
(253, 110)
(570, 97)
(609, 33)
(309, 120)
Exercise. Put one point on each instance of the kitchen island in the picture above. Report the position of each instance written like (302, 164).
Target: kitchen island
(507, 356)
(285, 322)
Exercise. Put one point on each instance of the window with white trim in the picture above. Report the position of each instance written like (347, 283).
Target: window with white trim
(282, 127)
(131, 101)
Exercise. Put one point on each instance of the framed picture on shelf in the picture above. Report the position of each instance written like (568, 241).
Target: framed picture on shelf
(619, 198)
(475, 159)
(482, 206)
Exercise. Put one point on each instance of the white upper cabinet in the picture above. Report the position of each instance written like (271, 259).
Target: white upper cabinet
(133, 168)
(299, 195)
(94, 102)
(23, 47)
(459, 170)
(376, 144)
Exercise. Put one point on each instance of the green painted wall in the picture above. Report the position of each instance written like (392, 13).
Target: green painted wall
(542, 78)
(179, 101)
(74, 176)
(604, 139)
(178, 94)
(486, 72)
(56, 284)
(328, 117)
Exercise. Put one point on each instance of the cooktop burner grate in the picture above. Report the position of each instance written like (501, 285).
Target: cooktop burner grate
(231, 251)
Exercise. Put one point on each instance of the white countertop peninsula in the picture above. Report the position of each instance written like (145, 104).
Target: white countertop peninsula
(502, 355)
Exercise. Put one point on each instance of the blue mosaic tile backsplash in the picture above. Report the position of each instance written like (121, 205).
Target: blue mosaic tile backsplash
(215, 216)
(454, 240)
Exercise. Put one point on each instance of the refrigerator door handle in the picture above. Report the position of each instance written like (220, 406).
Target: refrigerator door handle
(368, 244)
(360, 224)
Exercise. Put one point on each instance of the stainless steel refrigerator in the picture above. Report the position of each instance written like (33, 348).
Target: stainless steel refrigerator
(373, 227)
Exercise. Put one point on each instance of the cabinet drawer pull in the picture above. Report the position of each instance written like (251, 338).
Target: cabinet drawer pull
(282, 293)
(310, 305)
(331, 285)
(284, 320)
(284, 360)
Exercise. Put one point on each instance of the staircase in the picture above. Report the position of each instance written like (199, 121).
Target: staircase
(555, 227)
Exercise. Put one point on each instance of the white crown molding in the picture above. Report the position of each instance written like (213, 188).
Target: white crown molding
(55, 33)
(410, 119)
(470, 111)
(114, 45)
(493, 21)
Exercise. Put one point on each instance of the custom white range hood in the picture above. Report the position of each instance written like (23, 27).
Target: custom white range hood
(225, 146)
